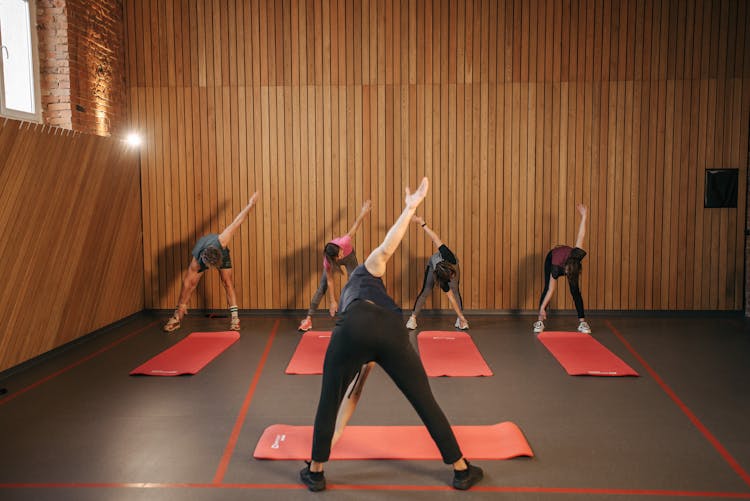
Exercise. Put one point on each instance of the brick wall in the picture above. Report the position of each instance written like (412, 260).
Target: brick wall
(82, 64)
(54, 62)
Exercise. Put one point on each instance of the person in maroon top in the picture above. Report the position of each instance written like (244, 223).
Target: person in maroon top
(564, 260)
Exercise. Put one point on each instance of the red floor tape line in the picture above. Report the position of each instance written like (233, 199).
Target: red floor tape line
(188, 356)
(310, 353)
(582, 355)
(498, 441)
(451, 353)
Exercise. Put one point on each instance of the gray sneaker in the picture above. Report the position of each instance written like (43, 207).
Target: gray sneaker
(538, 326)
(584, 327)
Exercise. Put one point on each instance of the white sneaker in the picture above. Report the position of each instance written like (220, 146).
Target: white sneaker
(461, 325)
(234, 324)
(584, 327)
(412, 323)
(538, 326)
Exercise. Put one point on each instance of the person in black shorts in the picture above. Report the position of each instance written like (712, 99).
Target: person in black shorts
(370, 329)
(565, 261)
(443, 269)
(211, 251)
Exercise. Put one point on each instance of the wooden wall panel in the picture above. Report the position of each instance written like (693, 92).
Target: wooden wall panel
(516, 110)
(70, 209)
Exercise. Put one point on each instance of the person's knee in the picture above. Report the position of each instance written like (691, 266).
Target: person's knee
(191, 283)
(227, 278)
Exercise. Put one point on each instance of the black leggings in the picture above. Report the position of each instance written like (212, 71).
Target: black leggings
(366, 332)
(575, 291)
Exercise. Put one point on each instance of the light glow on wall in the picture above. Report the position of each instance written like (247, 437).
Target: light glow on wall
(134, 139)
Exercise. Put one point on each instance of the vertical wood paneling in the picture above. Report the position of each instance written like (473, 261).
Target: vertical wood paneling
(515, 110)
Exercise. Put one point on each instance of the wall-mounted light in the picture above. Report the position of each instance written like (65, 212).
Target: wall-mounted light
(133, 139)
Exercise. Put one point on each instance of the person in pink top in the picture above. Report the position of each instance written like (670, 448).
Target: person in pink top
(336, 253)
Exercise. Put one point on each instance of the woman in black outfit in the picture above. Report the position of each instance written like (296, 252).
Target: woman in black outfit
(369, 330)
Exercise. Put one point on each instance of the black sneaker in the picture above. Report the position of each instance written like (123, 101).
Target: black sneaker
(315, 481)
(463, 480)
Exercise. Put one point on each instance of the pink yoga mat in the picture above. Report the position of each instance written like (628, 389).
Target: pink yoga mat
(498, 441)
(310, 353)
(188, 356)
(450, 353)
(582, 355)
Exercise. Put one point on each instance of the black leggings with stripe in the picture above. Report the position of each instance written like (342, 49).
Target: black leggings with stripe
(429, 283)
(366, 332)
(575, 291)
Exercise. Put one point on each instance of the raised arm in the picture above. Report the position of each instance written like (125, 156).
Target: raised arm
(583, 211)
(378, 258)
(435, 238)
(226, 235)
(366, 208)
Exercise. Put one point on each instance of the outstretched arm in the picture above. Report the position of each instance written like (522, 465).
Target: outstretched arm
(333, 306)
(226, 235)
(583, 211)
(347, 409)
(366, 208)
(435, 238)
(547, 298)
(378, 258)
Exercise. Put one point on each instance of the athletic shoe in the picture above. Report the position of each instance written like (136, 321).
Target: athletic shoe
(234, 324)
(412, 323)
(172, 324)
(463, 480)
(538, 326)
(306, 325)
(584, 327)
(461, 325)
(314, 480)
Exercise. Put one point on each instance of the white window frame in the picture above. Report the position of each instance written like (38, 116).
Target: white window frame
(20, 115)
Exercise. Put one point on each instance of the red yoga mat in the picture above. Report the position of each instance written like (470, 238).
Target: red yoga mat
(582, 355)
(498, 441)
(188, 356)
(310, 353)
(451, 353)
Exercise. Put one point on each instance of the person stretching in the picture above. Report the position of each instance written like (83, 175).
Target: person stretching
(336, 253)
(443, 268)
(211, 251)
(565, 261)
(368, 330)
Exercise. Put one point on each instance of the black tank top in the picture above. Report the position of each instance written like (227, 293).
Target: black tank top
(362, 285)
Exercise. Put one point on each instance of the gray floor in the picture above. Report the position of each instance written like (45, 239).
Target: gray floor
(76, 426)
